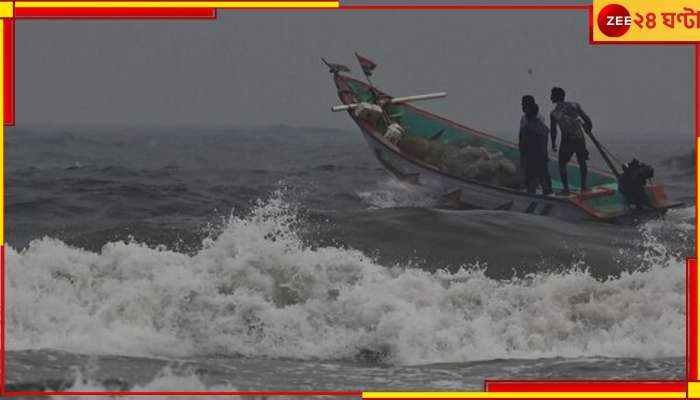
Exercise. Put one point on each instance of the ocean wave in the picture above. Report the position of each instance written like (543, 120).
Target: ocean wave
(165, 381)
(258, 290)
(685, 162)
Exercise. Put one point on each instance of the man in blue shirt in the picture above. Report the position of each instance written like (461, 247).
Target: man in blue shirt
(533, 147)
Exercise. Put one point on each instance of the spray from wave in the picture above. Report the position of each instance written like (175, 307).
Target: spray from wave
(257, 290)
(166, 380)
(393, 193)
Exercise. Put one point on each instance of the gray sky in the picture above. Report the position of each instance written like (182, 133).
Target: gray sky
(263, 67)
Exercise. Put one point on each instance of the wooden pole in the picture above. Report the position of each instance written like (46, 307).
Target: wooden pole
(395, 100)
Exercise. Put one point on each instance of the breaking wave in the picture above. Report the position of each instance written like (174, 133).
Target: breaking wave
(685, 162)
(258, 290)
(166, 380)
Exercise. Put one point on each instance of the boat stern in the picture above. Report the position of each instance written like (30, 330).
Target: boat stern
(656, 197)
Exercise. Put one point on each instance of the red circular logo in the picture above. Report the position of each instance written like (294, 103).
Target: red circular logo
(614, 20)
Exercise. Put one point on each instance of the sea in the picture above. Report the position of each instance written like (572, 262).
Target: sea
(284, 258)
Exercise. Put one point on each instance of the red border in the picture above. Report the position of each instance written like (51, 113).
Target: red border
(691, 320)
(114, 13)
(9, 72)
(489, 385)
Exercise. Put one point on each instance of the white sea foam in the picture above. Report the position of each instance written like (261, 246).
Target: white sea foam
(392, 193)
(165, 381)
(257, 290)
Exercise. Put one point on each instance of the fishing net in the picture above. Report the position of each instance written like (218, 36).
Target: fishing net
(465, 159)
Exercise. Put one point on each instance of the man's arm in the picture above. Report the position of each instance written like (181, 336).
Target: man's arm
(553, 131)
(587, 123)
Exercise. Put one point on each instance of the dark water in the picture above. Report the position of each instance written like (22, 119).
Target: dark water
(284, 258)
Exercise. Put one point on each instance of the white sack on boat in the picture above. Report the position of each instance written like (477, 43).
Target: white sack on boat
(368, 112)
(394, 133)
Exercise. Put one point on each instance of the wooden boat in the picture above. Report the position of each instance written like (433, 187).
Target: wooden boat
(605, 201)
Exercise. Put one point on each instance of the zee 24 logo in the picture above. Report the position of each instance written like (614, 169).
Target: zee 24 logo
(615, 20)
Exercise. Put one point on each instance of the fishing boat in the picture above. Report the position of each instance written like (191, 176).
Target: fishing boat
(614, 196)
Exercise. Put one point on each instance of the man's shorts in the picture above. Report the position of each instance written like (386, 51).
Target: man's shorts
(570, 147)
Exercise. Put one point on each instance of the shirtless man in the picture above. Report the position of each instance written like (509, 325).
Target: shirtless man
(574, 124)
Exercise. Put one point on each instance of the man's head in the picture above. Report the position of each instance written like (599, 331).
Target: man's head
(558, 95)
(526, 101)
(531, 110)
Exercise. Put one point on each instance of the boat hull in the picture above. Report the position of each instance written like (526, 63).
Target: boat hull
(604, 203)
(460, 194)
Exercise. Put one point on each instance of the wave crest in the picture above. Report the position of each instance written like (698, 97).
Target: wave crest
(258, 290)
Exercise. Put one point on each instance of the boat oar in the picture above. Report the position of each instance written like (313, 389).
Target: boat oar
(604, 153)
(395, 100)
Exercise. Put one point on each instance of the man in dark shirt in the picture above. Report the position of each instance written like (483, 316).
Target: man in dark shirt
(574, 124)
(533, 147)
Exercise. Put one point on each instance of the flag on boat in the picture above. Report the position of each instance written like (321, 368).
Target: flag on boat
(335, 68)
(367, 65)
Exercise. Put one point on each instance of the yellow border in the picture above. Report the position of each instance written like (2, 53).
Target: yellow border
(177, 4)
(524, 395)
(7, 9)
(693, 389)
